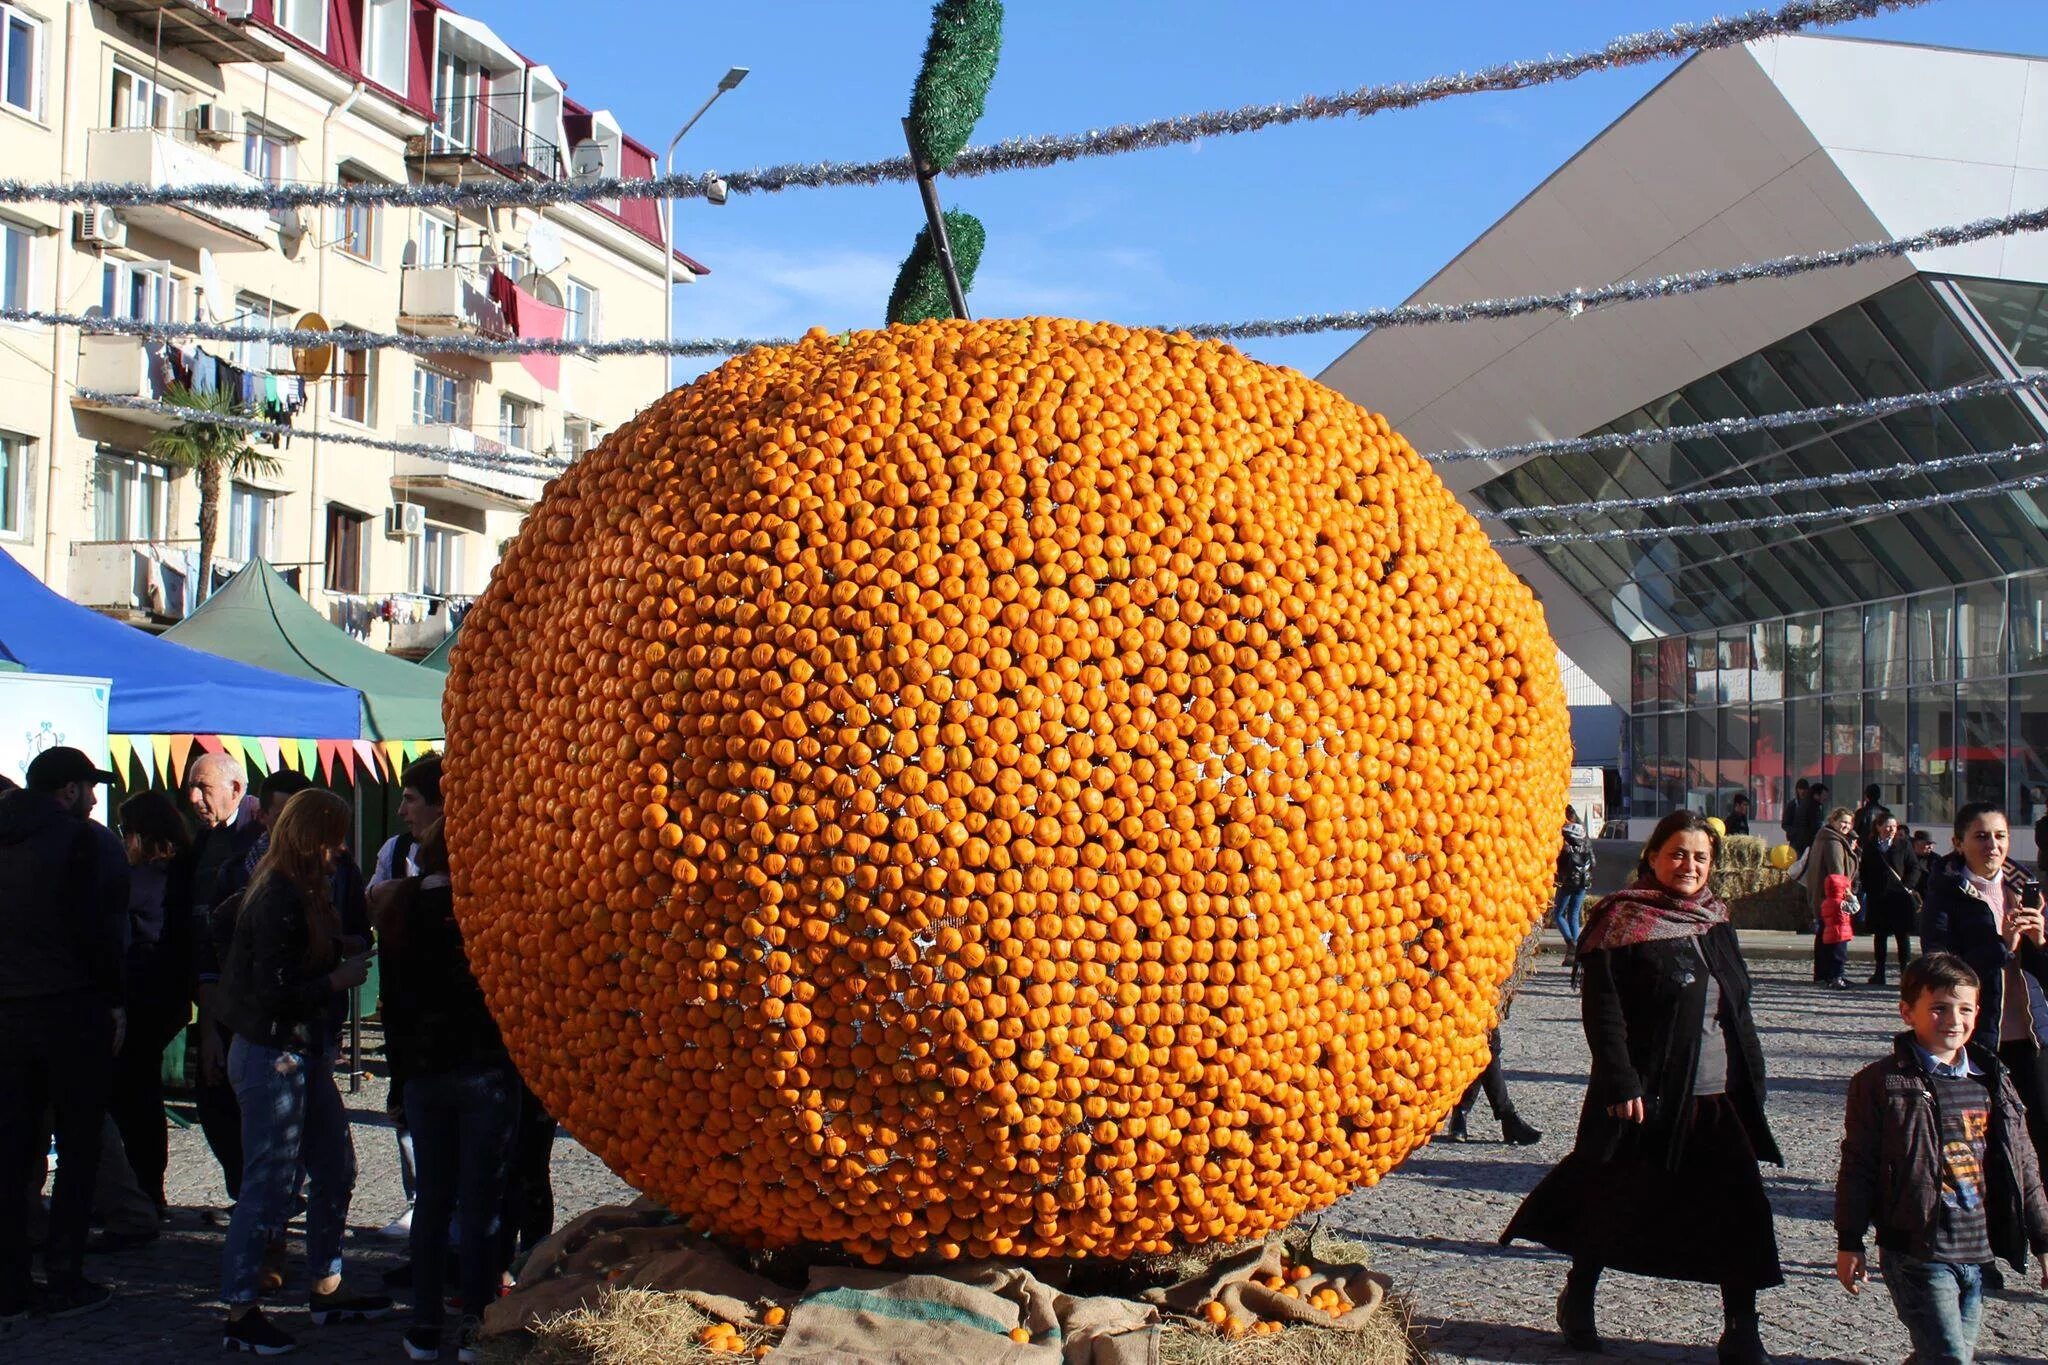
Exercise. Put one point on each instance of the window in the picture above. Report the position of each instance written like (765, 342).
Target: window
(1980, 635)
(17, 264)
(437, 241)
(351, 389)
(267, 155)
(21, 63)
(439, 398)
(252, 522)
(253, 310)
(458, 94)
(516, 423)
(14, 459)
(384, 43)
(347, 532)
(143, 290)
(356, 226)
(138, 101)
(579, 434)
(582, 322)
(130, 498)
(436, 561)
(305, 20)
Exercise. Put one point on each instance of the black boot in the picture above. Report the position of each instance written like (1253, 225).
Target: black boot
(1741, 1342)
(1517, 1133)
(1454, 1129)
(1575, 1309)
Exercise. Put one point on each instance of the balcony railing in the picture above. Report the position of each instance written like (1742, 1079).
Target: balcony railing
(448, 300)
(161, 160)
(492, 131)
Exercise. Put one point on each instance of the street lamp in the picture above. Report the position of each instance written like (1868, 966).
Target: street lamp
(729, 81)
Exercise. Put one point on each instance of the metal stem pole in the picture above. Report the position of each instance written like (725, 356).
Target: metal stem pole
(668, 236)
(928, 190)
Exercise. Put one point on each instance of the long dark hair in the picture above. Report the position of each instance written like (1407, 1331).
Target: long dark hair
(1676, 823)
(153, 818)
(310, 824)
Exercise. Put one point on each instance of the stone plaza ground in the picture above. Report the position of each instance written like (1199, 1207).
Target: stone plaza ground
(1433, 1224)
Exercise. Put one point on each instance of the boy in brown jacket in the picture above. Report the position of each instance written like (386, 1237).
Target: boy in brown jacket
(1936, 1154)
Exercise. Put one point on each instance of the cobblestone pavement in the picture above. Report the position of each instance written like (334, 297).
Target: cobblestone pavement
(1433, 1223)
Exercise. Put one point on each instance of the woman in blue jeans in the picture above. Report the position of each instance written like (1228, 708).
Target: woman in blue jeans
(461, 1098)
(286, 976)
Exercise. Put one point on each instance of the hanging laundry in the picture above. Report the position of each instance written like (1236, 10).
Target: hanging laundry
(205, 373)
(546, 322)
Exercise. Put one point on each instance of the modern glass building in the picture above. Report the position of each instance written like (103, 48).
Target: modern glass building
(1903, 648)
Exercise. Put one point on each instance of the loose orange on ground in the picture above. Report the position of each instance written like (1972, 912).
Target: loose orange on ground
(1001, 788)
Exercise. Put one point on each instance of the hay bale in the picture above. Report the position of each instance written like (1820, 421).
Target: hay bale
(1780, 905)
(1743, 851)
(624, 1327)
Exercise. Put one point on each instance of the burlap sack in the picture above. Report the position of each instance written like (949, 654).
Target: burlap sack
(876, 1317)
(1234, 1282)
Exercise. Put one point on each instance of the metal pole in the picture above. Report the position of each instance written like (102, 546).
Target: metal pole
(928, 190)
(668, 235)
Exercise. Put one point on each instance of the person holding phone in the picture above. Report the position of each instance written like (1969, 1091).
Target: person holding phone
(1987, 909)
(1663, 1180)
(288, 963)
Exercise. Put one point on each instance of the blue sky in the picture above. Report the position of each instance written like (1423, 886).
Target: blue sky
(1348, 213)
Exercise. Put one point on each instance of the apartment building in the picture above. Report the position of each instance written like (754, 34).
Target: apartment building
(185, 92)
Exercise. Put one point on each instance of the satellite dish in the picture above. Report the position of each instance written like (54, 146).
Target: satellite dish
(291, 231)
(586, 161)
(213, 294)
(544, 247)
(312, 361)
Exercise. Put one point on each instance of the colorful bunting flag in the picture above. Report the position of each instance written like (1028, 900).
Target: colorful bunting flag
(253, 753)
(325, 748)
(366, 754)
(309, 755)
(119, 750)
(394, 756)
(210, 743)
(160, 755)
(271, 754)
(227, 744)
(181, 758)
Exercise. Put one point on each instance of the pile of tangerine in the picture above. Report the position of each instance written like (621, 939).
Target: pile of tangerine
(1006, 788)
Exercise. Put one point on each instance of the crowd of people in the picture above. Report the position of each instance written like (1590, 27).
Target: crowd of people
(1944, 1138)
(248, 922)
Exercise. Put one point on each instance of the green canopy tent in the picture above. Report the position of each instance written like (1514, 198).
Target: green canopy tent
(438, 659)
(257, 618)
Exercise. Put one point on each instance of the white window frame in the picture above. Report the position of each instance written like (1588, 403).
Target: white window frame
(269, 153)
(143, 89)
(358, 225)
(585, 306)
(438, 237)
(434, 561)
(17, 25)
(456, 108)
(164, 301)
(459, 390)
(143, 490)
(353, 369)
(381, 20)
(572, 427)
(295, 16)
(17, 460)
(357, 532)
(17, 266)
(245, 541)
(518, 422)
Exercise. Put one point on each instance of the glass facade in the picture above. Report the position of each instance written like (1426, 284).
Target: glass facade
(1911, 338)
(1939, 698)
(1905, 649)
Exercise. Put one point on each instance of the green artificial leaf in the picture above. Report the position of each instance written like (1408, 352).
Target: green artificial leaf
(959, 62)
(920, 291)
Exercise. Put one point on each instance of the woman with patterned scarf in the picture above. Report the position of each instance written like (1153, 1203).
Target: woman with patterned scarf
(1663, 1179)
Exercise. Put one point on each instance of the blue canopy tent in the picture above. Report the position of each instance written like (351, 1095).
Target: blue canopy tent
(159, 687)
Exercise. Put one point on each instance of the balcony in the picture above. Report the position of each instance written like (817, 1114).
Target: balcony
(197, 26)
(448, 301)
(159, 161)
(470, 485)
(119, 367)
(484, 133)
(145, 581)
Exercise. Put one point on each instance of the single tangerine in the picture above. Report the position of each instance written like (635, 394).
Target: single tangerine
(1001, 788)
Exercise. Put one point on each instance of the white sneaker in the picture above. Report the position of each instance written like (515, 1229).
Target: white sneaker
(399, 1228)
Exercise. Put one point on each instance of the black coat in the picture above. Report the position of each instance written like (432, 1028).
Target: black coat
(1643, 1008)
(1891, 883)
(275, 987)
(1575, 860)
(1957, 920)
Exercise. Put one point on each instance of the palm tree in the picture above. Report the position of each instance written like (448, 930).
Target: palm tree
(210, 450)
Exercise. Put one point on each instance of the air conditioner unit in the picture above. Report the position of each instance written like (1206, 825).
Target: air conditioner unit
(405, 521)
(210, 123)
(99, 227)
(235, 9)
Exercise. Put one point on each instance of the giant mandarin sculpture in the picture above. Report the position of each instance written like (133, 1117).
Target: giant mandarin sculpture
(1011, 788)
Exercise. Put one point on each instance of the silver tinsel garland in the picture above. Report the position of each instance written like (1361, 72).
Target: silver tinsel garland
(1012, 154)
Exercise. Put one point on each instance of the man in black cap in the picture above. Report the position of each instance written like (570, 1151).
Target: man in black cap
(63, 922)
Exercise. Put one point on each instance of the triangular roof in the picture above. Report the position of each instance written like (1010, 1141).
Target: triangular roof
(438, 659)
(159, 687)
(258, 618)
